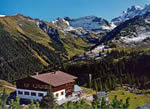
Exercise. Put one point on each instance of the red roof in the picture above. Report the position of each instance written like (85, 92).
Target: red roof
(55, 78)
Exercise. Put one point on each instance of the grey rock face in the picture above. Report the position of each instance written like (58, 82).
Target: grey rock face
(52, 32)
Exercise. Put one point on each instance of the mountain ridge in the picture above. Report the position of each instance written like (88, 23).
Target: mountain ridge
(134, 32)
(28, 44)
(87, 23)
(43, 44)
(131, 13)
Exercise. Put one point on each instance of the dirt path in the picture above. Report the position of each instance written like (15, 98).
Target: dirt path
(10, 87)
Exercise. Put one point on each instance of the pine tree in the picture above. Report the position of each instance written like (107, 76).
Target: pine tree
(15, 104)
(37, 105)
(110, 82)
(1, 103)
(119, 104)
(3, 98)
(120, 81)
(63, 106)
(115, 102)
(96, 103)
(95, 85)
(137, 82)
(129, 79)
(113, 81)
(100, 85)
(103, 103)
(70, 105)
(126, 105)
(48, 101)
(34, 106)
(106, 86)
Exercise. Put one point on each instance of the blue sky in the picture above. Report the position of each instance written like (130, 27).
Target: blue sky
(50, 9)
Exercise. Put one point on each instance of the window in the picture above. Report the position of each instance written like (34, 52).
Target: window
(38, 85)
(46, 86)
(69, 90)
(26, 93)
(40, 94)
(57, 94)
(42, 86)
(62, 93)
(33, 94)
(35, 86)
(20, 92)
(26, 85)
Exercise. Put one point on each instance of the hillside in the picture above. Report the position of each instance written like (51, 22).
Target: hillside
(30, 45)
(120, 66)
(135, 100)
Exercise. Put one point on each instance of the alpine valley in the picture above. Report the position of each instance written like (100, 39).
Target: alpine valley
(25, 40)
(116, 51)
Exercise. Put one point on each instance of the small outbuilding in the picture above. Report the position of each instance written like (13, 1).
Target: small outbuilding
(78, 91)
(145, 106)
(102, 94)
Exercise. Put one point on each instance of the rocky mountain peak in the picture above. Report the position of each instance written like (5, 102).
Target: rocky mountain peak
(87, 23)
(60, 21)
(131, 13)
(134, 8)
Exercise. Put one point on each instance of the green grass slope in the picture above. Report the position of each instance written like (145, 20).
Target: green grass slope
(135, 100)
(25, 48)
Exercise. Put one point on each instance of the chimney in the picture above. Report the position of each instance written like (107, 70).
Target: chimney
(54, 72)
(37, 73)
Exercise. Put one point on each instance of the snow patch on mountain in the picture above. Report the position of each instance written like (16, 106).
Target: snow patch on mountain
(98, 49)
(59, 21)
(2, 15)
(139, 38)
(91, 23)
(147, 21)
(63, 25)
(88, 23)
